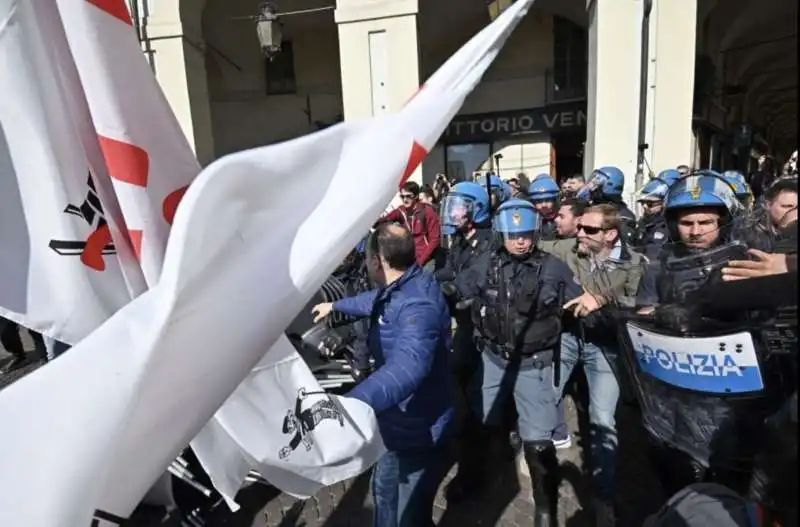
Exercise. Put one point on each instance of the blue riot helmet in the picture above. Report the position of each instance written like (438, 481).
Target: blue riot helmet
(669, 176)
(500, 189)
(701, 191)
(517, 222)
(605, 182)
(652, 195)
(543, 188)
(466, 204)
(738, 183)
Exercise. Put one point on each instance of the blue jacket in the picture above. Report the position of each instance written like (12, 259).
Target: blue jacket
(409, 337)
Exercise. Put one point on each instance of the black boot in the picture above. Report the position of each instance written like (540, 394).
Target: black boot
(543, 466)
(471, 476)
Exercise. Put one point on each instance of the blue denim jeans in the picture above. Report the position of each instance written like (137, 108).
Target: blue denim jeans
(603, 397)
(404, 485)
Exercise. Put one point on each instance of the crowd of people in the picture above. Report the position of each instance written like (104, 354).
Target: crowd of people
(482, 312)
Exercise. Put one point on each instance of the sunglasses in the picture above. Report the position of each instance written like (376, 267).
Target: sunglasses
(589, 229)
(407, 196)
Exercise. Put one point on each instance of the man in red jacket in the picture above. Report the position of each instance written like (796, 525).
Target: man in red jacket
(421, 219)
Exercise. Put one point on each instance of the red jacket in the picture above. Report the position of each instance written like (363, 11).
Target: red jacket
(423, 223)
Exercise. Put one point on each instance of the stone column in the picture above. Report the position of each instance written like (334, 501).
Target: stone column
(612, 128)
(673, 26)
(378, 54)
(177, 54)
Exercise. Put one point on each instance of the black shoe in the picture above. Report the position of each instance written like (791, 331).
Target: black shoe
(543, 466)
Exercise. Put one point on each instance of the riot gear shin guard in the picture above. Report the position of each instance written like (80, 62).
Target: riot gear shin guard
(543, 467)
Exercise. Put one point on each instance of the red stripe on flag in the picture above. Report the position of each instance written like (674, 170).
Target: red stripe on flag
(171, 203)
(416, 156)
(136, 242)
(92, 255)
(126, 162)
(115, 8)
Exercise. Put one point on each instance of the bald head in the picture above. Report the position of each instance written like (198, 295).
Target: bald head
(394, 244)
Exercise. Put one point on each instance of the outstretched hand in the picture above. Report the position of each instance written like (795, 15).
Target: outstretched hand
(320, 311)
(765, 264)
(585, 304)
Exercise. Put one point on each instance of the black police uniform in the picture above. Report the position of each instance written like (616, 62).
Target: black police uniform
(547, 229)
(651, 233)
(704, 434)
(460, 255)
(516, 311)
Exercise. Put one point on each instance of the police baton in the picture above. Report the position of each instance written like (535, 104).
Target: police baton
(557, 350)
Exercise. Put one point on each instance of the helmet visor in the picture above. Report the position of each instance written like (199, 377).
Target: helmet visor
(596, 181)
(457, 210)
(655, 190)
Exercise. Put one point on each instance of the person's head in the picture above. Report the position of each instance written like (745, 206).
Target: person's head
(426, 195)
(409, 193)
(652, 195)
(598, 229)
(605, 184)
(699, 210)
(464, 207)
(571, 185)
(781, 202)
(513, 184)
(517, 222)
(500, 191)
(569, 215)
(390, 253)
(738, 183)
(543, 193)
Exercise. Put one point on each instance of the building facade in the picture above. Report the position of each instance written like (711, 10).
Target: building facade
(578, 85)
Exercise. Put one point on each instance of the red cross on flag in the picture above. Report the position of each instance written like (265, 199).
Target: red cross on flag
(149, 160)
(256, 235)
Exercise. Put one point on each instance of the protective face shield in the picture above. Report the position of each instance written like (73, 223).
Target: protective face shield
(457, 211)
(605, 181)
(517, 223)
(655, 190)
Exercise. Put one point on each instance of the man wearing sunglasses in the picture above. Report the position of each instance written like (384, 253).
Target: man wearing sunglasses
(421, 220)
(605, 268)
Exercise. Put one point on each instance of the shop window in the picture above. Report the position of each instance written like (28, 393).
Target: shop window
(570, 59)
(280, 71)
(465, 160)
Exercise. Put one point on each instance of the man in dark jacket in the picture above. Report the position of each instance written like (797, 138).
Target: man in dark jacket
(423, 222)
(410, 392)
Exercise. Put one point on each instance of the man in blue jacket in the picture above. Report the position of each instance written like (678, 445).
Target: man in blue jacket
(409, 338)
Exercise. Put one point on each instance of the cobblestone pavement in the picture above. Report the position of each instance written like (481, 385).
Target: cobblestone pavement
(506, 503)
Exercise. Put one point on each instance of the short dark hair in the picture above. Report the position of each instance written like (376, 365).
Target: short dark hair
(780, 185)
(412, 187)
(575, 176)
(395, 244)
(577, 205)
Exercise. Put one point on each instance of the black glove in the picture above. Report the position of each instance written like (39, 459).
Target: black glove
(677, 318)
(449, 289)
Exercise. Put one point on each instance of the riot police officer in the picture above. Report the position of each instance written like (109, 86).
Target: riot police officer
(498, 190)
(605, 186)
(543, 193)
(466, 222)
(651, 229)
(704, 431)
(741, 189)
(515, 294)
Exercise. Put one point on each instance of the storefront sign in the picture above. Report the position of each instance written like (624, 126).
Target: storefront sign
(499, 125)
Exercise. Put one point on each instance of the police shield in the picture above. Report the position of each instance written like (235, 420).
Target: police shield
(707, 375)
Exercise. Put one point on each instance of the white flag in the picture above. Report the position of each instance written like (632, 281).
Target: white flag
(250, 244)
(149, 160)
(60, 226)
